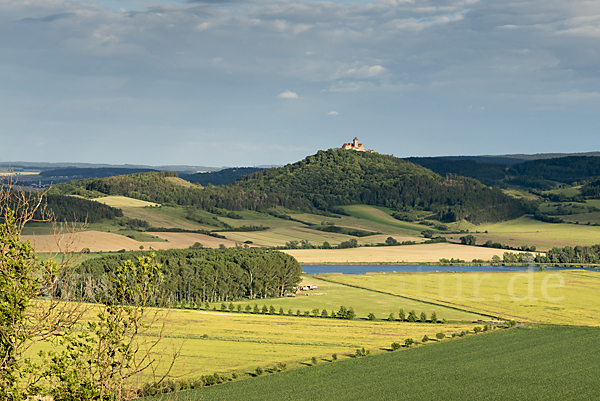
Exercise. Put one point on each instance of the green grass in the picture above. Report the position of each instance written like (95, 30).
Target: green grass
(528, 231)
(362, 301)
(570, 192)
(382, 216)
(533, 297)
(540, 363)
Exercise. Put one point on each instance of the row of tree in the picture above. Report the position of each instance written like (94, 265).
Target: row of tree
(213, 275)
(569, 254)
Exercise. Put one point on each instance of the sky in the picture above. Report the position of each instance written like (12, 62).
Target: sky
(268, 82)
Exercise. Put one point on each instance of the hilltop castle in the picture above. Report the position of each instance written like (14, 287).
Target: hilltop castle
(356, 146)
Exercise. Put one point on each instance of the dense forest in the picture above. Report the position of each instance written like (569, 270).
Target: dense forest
(539, 174)
(322, 182)
(72, 209)
(214, 275)
(222, 177)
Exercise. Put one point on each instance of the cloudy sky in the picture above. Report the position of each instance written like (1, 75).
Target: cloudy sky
(245, 82)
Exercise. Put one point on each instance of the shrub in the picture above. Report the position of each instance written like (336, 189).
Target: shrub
(440, 336)
(391, 317)
(396, 346)
(425, 339)
(408, 342)
(371, 316)
(259, 371)
(477, 329)
(313, 360)
(334, 357)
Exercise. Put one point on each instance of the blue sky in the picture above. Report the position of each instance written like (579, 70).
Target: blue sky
(245, 82)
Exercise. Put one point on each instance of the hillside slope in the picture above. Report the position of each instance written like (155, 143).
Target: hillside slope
(323, 181)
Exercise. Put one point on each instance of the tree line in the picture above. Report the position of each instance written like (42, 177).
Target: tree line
(211, 275)
(569, 254)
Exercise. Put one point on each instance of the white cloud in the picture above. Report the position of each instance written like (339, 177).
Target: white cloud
(287, 95)
(333, 113)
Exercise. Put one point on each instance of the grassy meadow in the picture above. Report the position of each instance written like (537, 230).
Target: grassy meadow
(331, 296)
(560, 297)
(533, 363)
(239, 342)
(528, 231)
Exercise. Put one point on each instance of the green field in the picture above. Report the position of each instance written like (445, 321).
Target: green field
(561, 297)
(362, 301)
(538, 363)
(528, 231)
(238, 342)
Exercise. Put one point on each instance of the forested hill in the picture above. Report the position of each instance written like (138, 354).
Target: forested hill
(221, 177)
(323, 181)
(537, 174)
(340, 177)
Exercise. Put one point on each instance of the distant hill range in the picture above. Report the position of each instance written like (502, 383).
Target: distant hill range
(503, 172)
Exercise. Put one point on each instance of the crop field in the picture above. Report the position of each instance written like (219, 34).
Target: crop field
(97, 241)
(123, 201)
(365, 218)
(279, 236)
(185, 240)
(251, 218)
(394, 254)
(228, 342)
(560, 297)
(380, 215)
(539, 363)
(528, 231)
(165, 216)
(334, 295)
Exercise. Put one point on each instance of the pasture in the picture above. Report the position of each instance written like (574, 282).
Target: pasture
(334, 295)
(560, 297)
(418, 253)
(532, 363)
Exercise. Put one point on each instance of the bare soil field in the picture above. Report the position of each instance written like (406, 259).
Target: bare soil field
(395, 254)
(97, 241)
